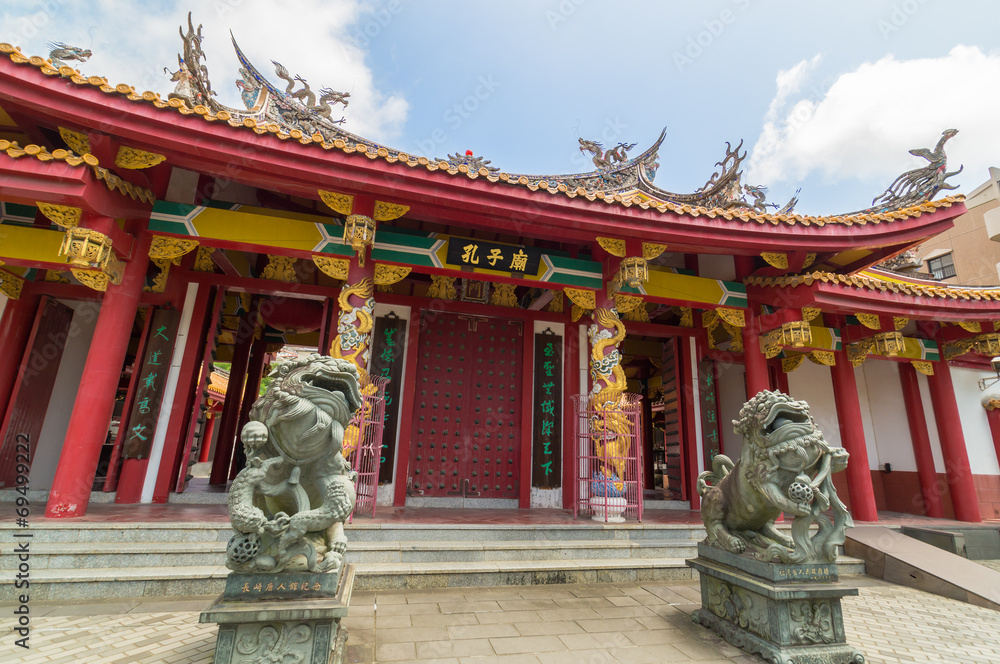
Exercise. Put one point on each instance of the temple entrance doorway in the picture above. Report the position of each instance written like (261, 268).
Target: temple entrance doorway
(467, 418)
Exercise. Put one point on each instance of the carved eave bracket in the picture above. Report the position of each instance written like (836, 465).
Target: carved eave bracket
(280, 268)
(134, 159)
(794, 334)
(339, 203)
(10, 284)
(613, 246)
(335, 268)
(387, 275)
(65, 216)
(389, 211)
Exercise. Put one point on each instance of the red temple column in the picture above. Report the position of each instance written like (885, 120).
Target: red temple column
(95, 402)
(15, 328)
(852, 436)
(754, 362)
(921, 441)
(255, 372)
(206, 436)
(228, 433)
(956, 457)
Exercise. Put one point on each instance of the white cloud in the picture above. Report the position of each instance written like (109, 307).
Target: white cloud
(863, 126)
(132, 43)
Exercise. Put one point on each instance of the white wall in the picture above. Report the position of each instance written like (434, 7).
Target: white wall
(975, 425)
(814, 384)
(885, 410)
(68, 379)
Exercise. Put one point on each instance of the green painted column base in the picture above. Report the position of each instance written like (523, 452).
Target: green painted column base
(785, 621)
(303, 630)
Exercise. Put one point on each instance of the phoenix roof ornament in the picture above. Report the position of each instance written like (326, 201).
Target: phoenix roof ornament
(920, 184)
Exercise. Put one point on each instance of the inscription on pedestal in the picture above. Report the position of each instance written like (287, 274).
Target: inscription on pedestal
(263, 587)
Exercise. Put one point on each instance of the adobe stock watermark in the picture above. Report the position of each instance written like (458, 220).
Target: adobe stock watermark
(378, 21)
(457, 114)
(34, 25)
(899, 16)
(696, 46)
(562, 12)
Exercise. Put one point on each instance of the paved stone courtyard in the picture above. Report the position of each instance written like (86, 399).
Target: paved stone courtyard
(575, 624)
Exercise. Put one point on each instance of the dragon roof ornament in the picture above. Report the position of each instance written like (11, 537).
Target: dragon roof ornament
(471, 161)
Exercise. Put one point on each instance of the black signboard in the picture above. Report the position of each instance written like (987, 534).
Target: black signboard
(152, 379)
(388, 343)
(502, 257)
(547, 434)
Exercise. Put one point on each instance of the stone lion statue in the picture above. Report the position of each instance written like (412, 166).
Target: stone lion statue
(289, 503)
(785, 466)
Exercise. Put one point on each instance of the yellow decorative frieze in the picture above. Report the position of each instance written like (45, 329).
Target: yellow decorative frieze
(970, 326)
(339, 203)
(159, 284)
(335, 268)
(776, 259)
(442, 288)
(387, 275)
(810, 259)
(686, 317)
(11, 285)
(503, 295)
(585, 299)
(61, 215)
(637, 314)
(576, 313)
(389, 211)
(797, 334)
(858, 352)
(651, 251)
(926, 368)
(556, 304)
(988, 344)
(888, 344)
(203, 261)
(613, 246)
(899, 322)
(135, 159)
(953, 349)
(280, 268)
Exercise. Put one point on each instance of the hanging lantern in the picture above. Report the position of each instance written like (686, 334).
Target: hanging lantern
(796, 334)
(86, 248)
(888, 344)
(988, 344)
(359, 232)
(634, 271)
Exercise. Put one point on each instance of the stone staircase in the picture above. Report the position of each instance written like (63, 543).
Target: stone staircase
(98, 560)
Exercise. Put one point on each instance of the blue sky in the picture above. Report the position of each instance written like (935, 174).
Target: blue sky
(827, 96)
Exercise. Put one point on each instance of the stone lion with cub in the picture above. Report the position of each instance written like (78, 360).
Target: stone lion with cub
(785, 466)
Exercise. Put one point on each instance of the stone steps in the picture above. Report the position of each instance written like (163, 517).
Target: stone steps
(84, 555)
(100, 560)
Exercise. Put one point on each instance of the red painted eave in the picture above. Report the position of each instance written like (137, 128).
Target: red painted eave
(849, 300)
(265, 161)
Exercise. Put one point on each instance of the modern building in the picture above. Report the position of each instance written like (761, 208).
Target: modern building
(964, 253)
(145, 237)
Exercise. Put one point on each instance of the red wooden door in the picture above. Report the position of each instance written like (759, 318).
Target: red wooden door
(36, 377)
(466, 424)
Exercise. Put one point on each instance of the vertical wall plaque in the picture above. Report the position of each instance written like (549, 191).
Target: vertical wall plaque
(388, 344)
(152, 379)
(546, 464)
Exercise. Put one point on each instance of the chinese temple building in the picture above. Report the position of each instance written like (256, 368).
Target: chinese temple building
(145, 238)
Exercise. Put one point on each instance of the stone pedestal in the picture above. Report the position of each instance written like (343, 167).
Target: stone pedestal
(788, 614)
(282, 617)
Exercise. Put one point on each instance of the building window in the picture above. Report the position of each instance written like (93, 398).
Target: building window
(942, 267)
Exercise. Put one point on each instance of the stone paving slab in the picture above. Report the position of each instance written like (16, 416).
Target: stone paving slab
(510, 625)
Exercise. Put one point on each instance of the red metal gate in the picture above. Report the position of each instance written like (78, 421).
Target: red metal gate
(607, 445)
(367, 457)
(466, 424)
